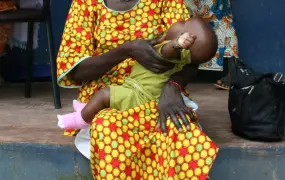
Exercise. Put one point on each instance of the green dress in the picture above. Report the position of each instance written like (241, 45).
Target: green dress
(143, 85)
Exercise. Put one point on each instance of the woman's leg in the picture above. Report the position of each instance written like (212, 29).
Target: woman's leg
(224, 82)
(82, 119)
(126, 145)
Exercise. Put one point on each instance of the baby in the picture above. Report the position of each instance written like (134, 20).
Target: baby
(187, 42)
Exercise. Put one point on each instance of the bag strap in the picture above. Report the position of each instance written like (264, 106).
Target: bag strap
(279, 78)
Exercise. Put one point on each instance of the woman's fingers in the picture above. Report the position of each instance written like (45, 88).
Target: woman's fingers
(176, 122)
(157, 40)
(161, 68)
(157, 125)
(150, 59)
(154, 67)
(158, 66)
(188, 112)
(182, 112)
(163, 119)
(154, 54)
(184, 119)
(162, 122)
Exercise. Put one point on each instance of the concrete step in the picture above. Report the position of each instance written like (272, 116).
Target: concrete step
(51, 162)
(21, 161)
(249, 163)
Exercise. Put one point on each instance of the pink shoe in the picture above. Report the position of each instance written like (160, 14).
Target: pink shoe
(78, 106)
(71, 121)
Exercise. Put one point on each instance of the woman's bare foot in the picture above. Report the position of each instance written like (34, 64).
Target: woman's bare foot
(186, 40)
(224, 83)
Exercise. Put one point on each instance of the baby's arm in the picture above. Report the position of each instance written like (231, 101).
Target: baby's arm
(171, 50)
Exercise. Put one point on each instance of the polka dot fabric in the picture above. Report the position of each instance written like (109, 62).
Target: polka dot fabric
(125, 145)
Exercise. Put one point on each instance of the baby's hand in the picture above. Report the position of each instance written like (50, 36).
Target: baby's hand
(186, 40)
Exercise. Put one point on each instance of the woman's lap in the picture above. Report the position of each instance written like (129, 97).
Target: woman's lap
(125, 145)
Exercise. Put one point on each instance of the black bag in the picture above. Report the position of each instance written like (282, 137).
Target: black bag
(256, 103)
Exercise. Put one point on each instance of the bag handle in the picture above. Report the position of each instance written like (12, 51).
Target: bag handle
(276, 79)
(279, 78)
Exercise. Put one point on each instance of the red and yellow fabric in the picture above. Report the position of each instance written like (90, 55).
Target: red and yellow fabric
(125, 145)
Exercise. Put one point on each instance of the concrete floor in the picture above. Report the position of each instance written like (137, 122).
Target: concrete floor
(34, 120)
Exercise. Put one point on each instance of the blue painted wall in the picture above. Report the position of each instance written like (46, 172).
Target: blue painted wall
(261, 33)
(59, 12)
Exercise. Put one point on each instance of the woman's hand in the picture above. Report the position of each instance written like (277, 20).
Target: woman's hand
(143, 52)
(171, 104)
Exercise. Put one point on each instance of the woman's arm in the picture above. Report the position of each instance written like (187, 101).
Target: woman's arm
(141, 50)
(77, 41)
(188, 74)
(171, 102)
(95, 66)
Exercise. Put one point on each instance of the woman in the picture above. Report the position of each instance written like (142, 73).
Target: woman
(219, 14)
(5, 30)
(101, 41)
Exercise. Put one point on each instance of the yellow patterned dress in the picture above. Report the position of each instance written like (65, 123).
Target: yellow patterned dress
(125, 145)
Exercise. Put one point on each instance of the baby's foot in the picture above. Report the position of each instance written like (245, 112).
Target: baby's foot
(186, 40)
(72, 121)
(78, 106)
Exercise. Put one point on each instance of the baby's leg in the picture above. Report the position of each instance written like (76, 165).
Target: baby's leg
(82, 119)
(100, 101)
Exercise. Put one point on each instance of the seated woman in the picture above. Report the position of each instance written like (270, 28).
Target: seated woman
(142, 85)
(101, 43)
